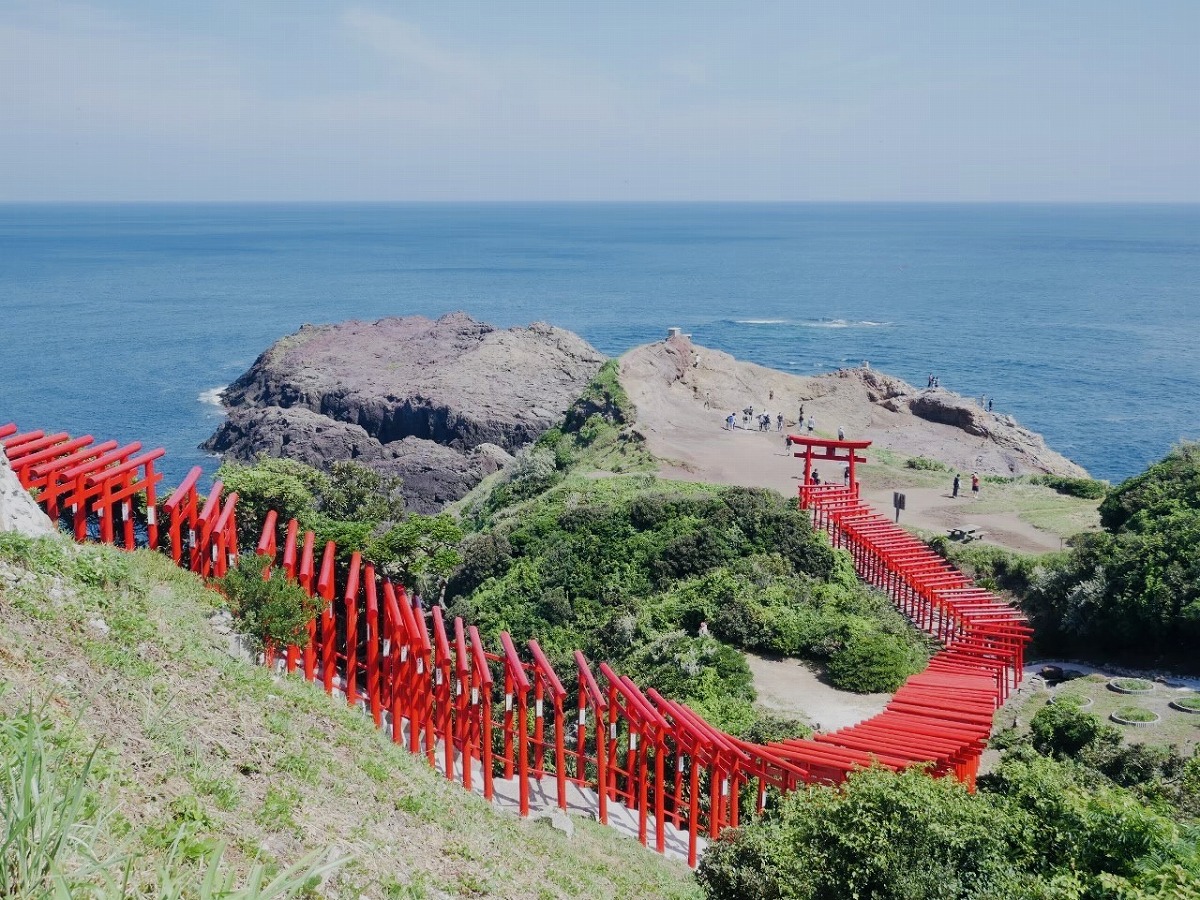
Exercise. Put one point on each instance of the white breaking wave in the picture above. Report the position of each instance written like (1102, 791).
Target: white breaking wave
(816, 323)
(213, 396)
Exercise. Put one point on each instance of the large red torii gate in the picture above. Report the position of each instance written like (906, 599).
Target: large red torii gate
(826, 450)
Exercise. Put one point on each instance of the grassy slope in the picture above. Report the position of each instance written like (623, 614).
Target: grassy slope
(1038, 505)
(195, 739)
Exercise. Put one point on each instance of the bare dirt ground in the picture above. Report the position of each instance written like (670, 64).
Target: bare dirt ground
(791, 687)
(683, 395)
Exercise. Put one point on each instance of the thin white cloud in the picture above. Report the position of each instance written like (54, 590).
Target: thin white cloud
(406, 45)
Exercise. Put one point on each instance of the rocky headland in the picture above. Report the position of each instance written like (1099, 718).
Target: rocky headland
(682, 391)
(440, 403)
(444, 403)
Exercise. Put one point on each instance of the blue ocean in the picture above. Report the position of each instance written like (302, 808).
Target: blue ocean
(119, 320)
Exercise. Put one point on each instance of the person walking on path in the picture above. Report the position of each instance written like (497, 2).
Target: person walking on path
(730, 421)
(779, 422)
(956, 485)
(811, 424)
(841, 432)
(975, 484)
(846, 475)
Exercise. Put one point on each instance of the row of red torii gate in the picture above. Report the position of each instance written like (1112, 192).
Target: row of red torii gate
(501, 718)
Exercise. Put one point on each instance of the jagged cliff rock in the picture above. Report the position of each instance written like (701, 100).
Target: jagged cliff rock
(440, 403)
(18, 511)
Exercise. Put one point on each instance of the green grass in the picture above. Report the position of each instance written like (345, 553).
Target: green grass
(1134, 714)
(249, 770)
(1133, 684)
(1188, 702)
(1037, 504)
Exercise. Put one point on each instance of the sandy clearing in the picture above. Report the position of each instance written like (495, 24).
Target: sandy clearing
(792, 687)
(681, 410)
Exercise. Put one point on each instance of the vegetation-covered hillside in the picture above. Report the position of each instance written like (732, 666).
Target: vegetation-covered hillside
(1130, 592)
(1071, 813)
(204, 761)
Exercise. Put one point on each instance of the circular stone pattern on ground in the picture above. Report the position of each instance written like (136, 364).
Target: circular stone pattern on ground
(1131, 685)
(1134, 716)
(1187, 705)
(1075, 700)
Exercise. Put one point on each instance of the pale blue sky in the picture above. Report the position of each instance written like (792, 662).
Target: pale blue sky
(610, 100)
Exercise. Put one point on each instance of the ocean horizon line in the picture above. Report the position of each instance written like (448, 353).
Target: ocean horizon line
(941, 204)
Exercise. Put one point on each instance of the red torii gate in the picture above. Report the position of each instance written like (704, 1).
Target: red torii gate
(826, 450)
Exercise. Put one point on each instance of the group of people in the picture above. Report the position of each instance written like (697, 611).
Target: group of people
(762, 420)
(974, 485)
(933, 380)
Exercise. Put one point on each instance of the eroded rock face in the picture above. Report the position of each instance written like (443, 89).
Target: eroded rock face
(440, 403)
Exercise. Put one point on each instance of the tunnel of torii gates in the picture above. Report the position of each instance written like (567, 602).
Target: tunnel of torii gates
(496, 717)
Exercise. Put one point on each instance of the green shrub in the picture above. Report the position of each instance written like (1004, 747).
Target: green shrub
(1064, 730)
(1132, 591)
(275, 611)
(925, 464)
(881, 835)
(286, 486)
(870, 663)
(1085, 488)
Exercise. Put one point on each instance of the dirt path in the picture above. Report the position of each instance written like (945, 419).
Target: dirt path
(936, 509)
(791, 687)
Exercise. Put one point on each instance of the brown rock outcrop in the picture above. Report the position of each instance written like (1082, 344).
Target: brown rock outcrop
(440, 403)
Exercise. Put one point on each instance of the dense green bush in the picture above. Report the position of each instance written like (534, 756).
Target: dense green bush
(273, 612)
(1132, 591)
(1063, 730)
(1037, 828)
(1169, 486)
(286, 486)
(1085, 488)
(995, 567)
(871, 663)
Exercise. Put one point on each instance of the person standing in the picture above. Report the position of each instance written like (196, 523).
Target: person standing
(956, 485)
(730, 421)
(841, 432)
(975, 484)
(989, 404)
(846, 475)
(779, 422)
(811, 424)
